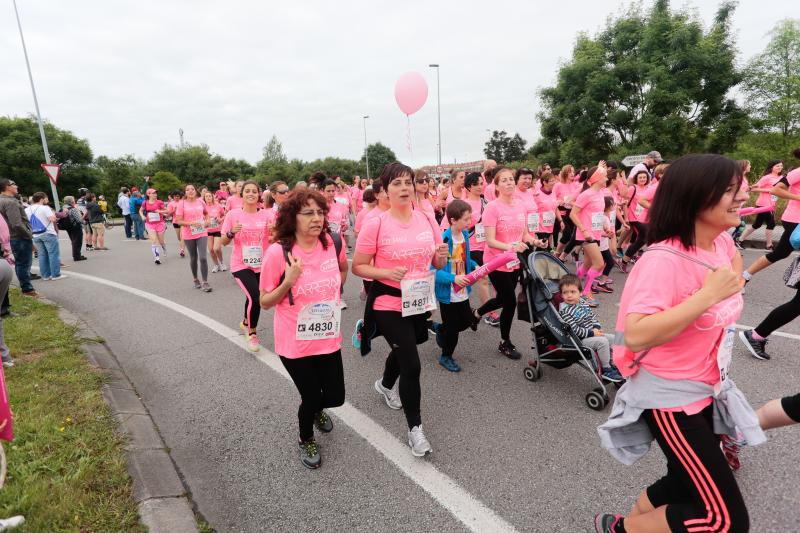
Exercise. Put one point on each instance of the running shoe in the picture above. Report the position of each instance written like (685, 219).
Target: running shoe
(391, 396)
(590, 300)
(206, 287)
(607, 522)
(599, 287)
(756, 348)
(357, 334)
(197, 284)
(620, 254)
(60, 276)
(343, 305)
(730, 449)
(309, 454)
(8, 364)
(418, 443)
(449, 363)
(738, 244)
(509, 350)
(492, 319)
(183, 253)
(223, 268)
(611, 373)
(622, 265)
(157, 261)
(323, 422)
(215, 269)
(252, 343)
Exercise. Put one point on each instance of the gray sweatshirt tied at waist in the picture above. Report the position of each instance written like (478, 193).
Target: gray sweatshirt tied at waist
(626, 436)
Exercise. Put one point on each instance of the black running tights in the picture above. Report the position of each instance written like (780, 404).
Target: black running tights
(403, 361)
(641, 239)
(505, 283)
(248, 282)
(320, 381)
(780, 316)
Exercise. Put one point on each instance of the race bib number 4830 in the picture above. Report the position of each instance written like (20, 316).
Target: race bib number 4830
(319, 321)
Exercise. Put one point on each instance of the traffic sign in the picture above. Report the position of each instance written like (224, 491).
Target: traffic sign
(52, 171)
(632, 160)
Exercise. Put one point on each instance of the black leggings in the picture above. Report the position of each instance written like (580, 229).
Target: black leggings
(197, 250)
(780, 316)
(456, 317)
(320, 382)
(248, 282)
(783, 248)
(569, 228)
(699, 488)
(505, 283)
(767, 218)
(791, 404)
(609, 261)
(641, 239)
(403, 361)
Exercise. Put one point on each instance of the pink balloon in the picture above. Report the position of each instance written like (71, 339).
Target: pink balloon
(411, 92)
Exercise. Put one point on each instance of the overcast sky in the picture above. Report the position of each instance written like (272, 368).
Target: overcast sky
(127, 75)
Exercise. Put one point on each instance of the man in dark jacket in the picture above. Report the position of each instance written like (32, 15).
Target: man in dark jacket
(21, 235)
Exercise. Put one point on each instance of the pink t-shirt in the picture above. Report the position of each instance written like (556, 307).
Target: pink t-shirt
(357, 197)
(508, 222)
(234, 202)
(338, 217)
(172, 206)
(215, 214)
(425, 206)
(548, 205)
(394, 244)
(361, 216)
(636, 212)
(792, 213)
(567, 192)
(692, 355)
(254, 233)
(475, 215)
(152, 207)
(489, 191)
(193, 212)
(648, 195)
(766, 182)
(319, 282)
(450, 196)
(592, 204)
(221, 195)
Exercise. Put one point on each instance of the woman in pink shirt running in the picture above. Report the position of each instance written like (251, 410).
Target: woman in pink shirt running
(588, 214)
(766, 199)
(301, 278)
(396, 250)
(191, 215)
(153, 213)
(637, 216)
(174, 199)
(247, 228)
(678, 311)
(216, 215)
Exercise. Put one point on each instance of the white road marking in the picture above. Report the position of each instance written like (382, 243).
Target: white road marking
(774, 333)
(449, 494)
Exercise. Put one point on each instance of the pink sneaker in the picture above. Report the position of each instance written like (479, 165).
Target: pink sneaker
(252, 343)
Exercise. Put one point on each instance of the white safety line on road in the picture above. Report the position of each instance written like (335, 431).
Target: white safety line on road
(449, 494)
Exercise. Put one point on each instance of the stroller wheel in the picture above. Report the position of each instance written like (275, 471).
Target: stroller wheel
(532, 373)
(596, 401)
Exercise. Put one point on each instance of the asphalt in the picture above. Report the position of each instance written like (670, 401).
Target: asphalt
(527, 451)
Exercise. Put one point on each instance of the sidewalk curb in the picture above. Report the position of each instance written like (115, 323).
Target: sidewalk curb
(163, 501)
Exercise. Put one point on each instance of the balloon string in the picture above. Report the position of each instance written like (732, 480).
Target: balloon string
(408, 134)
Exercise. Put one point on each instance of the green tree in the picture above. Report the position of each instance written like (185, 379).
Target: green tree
(503, 148)
(165, 182)
(123, 171)
(273, 151)
(21, 155)
(772, 82)
(380, 155)
(650, 80)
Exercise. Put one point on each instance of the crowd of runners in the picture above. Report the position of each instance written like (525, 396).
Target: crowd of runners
(416, 244)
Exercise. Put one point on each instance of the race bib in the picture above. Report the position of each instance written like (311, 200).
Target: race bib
(774, 198)
(724, 356)
(533, 222)
(480, 233)
(153, 216)
(548, 218)
(319, 321)
(418, 294)
(342, 201)
(213, 222)
(639, 210)
(597, 221)
(196, 229)
(251, 256)
(334, 226)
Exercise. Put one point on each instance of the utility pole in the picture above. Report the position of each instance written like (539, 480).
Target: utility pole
(366, 146)
(438, 109)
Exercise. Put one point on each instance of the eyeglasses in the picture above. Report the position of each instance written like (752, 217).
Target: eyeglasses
(282, 191)
(318, 212)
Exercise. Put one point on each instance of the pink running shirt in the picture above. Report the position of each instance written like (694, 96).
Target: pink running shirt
(234, 202)
(215, 214)
(152, 207)
(338, 217)
(476, 215)
(193, 212)
(508, 222)
(548, 205)
(319, 282)
(766, 182)
(792, 213)
(692, 355)
(592, 204)
(254, 233)
(394, 244)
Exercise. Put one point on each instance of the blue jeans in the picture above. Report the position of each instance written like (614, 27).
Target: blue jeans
(49, 255)
(23, 257)
(128, 224)
(138, 225)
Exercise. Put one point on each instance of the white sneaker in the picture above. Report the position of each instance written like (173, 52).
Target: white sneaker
(418, 443)
(8, 364)
(60, 276)
(343, 305)
(215, 269)
(391, 396)
(223, 268)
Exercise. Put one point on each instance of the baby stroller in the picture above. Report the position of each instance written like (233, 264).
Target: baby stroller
(555, 344)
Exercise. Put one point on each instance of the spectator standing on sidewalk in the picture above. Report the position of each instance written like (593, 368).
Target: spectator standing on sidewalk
(6, 273)
(74, 229)
(45, 238)
(94, 214)
(21, 235)
(135, 205)
(124, 204)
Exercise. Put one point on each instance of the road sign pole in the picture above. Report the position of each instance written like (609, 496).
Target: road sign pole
(36, 104)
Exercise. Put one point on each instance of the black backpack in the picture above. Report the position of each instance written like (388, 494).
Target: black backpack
(66, 223)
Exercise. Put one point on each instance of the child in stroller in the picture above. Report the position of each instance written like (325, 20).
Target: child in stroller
(584, 323)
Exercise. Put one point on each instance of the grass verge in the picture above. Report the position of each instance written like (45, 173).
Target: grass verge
(66, 465)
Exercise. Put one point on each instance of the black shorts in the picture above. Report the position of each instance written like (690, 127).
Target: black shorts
(477, 256)
(767, 218)
(176, 226)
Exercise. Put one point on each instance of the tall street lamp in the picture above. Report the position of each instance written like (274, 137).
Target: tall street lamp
(366, 146)
(438, 109)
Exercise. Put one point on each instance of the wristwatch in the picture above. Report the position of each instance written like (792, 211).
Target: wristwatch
(230, 234)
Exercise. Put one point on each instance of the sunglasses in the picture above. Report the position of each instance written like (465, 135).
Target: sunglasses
(422, 181)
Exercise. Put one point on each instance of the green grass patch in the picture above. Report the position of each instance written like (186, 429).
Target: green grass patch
(66, 465)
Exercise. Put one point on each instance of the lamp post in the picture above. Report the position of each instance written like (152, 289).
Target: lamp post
(36, 104)
(438, 109)
(366, 146)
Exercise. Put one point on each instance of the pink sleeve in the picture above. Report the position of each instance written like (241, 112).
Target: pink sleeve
(582, 200)
(179, 210)
(274, 265)
(343, 254)
(648, 298)
(490, 216)
(793, 177)
(227, 223)
(367, 238)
